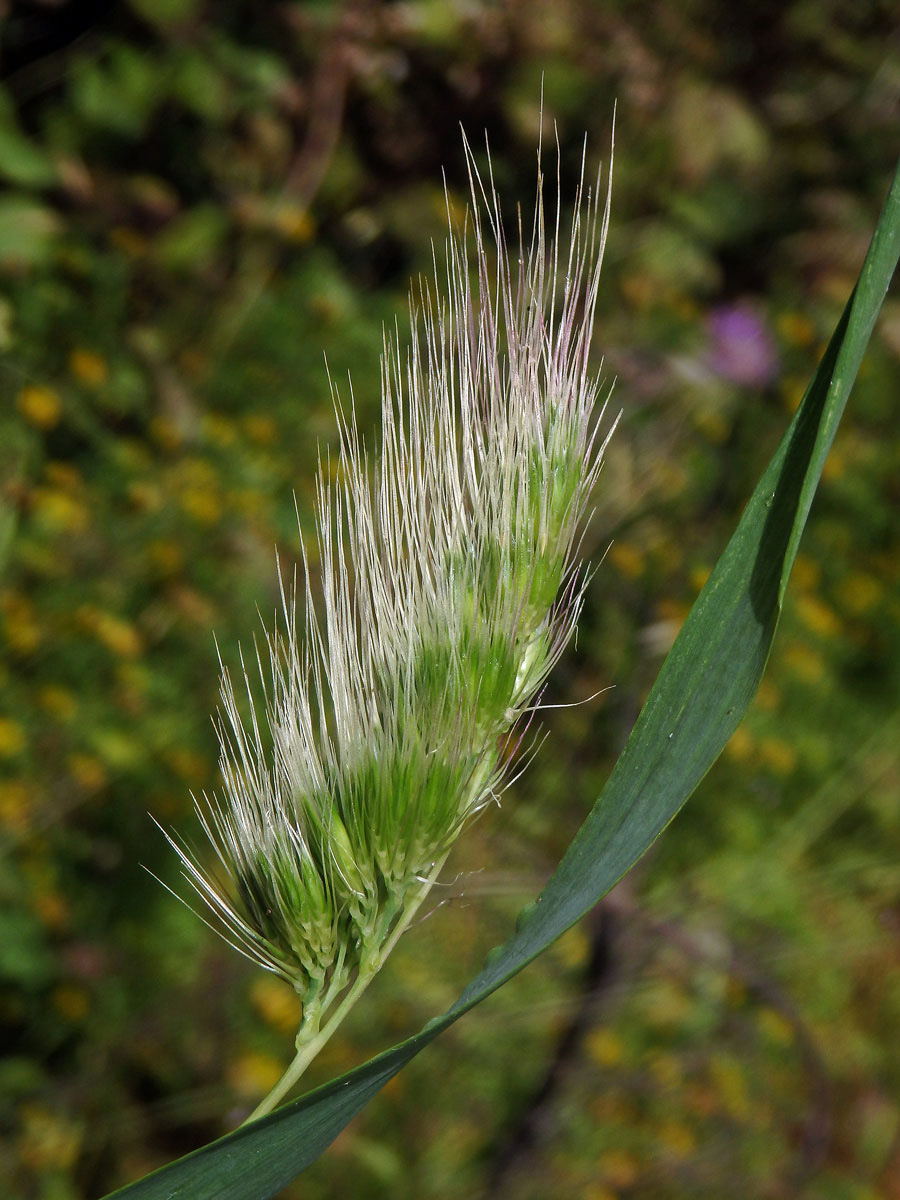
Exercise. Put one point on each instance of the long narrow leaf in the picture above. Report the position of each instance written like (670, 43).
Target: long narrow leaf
(701, 695)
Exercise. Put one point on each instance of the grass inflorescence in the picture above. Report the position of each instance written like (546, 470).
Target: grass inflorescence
(450, 585)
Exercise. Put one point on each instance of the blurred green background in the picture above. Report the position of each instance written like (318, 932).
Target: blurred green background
(199, 200)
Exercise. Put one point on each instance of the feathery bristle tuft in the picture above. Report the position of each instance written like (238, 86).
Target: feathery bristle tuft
(450, 587)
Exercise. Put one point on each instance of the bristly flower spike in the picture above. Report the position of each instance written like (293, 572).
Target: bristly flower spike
(449, 588)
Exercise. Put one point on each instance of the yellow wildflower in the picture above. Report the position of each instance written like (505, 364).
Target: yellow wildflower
(40, 405)
(12, 738)
(88, 368)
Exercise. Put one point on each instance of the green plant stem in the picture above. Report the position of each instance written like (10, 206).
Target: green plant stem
(367, 972)
(308, 1051)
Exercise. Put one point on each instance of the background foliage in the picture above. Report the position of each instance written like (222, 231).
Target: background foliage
(201, 199)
